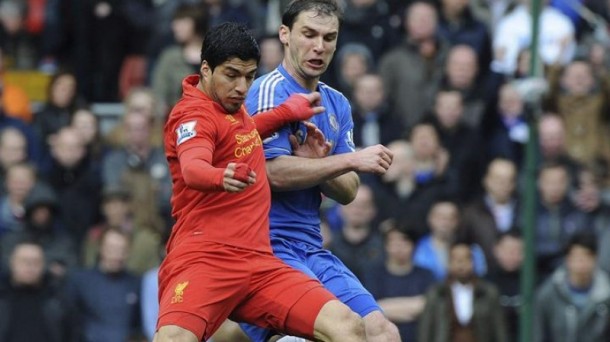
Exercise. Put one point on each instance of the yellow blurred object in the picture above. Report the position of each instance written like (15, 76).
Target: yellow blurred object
(34, 83)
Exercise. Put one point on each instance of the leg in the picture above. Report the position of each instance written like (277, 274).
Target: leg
(174, 333)
(380, 329)
(336, 322)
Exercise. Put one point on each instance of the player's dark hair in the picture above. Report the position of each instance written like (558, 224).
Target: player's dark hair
(321, 7)
(226, 41)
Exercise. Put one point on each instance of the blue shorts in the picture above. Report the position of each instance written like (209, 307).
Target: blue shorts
(324, 266)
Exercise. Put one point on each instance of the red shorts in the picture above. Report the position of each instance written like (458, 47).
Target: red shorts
(202, 283)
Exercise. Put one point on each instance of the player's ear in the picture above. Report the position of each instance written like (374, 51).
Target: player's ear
(284, 32)
(204, 69)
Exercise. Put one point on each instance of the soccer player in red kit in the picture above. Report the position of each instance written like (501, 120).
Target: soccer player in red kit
(219, 262)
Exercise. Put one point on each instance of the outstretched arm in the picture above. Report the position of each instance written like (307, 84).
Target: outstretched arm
(297, 107)
(293, 173)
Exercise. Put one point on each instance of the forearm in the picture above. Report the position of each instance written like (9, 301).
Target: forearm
(402, 309)
(197, 171)
(288, 173)
(343, 188)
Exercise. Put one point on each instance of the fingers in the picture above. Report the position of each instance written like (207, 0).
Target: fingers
(294, 143)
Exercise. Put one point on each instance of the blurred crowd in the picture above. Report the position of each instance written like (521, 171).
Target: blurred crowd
(445, 84)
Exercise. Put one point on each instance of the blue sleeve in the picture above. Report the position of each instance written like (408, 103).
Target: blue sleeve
(257, 101)
(345, 142)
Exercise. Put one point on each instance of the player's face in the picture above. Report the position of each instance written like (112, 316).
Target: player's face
(228, 84)
(310, 44)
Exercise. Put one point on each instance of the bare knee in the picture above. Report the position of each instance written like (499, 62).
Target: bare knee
(174, 333)
(336, 322)
(379, 328)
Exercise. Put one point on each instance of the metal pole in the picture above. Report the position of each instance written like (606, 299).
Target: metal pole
(528, 273)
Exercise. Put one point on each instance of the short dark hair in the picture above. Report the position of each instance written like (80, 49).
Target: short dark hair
(322, 7)
(226, 41)
(583, 239)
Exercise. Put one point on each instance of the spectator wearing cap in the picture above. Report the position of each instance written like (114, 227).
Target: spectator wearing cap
(41, 225)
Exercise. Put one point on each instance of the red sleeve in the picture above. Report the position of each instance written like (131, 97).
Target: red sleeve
(295, 108)
(197, 171)
(195, 145)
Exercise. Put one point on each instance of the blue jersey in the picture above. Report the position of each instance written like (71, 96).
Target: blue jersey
(295, 214)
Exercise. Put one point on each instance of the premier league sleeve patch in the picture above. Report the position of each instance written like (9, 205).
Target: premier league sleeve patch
(185, 132)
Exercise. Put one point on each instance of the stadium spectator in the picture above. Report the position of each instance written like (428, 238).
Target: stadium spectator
(358, 243)
(189, 25)
(13, 150)
(373, 123)
(20, 180)
(493, 212)
(553, 145)
(464, 307)
(57, 111)
(272, 53)
(557, 219)
(87, 125)
(574, 303)
(410, 90)
(76, 180)
(353, 61)
(398, 285)
(41, 224)
(506, 276)
(21, 48)
(33, 307)
(432, 251)
(107, 296)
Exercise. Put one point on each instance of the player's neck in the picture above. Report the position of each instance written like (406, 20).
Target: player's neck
(305, 82)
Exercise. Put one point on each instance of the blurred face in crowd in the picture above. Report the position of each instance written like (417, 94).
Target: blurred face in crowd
(462, 66)
(552, 136)
(580, 263)
(271, 53)
(27, 265)
(116, 210)
(509, 253)
(443, 220)
(13, 147)
(553, 185)
(67, 147)
(309, 45)
(368, 92)
(20, 179)
(578, 78)
(399, 248)
(353, 66)
(114, 250)
(137, 129)
(460, 263)
(11, 17)
(448, 108)
(587, 197)
(510, 102)
(361, 211)
(454, 7)
(402, 164)
(85, 123)
(421, 20)
(183, 29)
(424, 141)
(141, 101)
(63, 90)
(499, 182)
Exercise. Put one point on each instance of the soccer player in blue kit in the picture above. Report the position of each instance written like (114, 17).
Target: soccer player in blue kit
(300, 173)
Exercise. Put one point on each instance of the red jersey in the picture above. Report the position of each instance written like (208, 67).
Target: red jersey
(237, 219)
